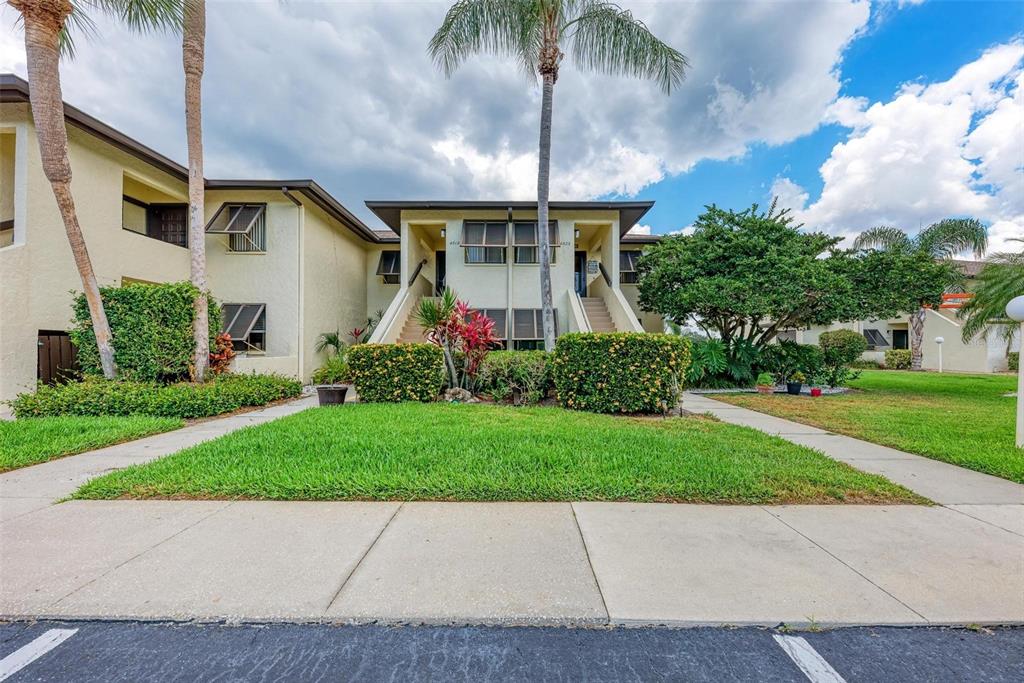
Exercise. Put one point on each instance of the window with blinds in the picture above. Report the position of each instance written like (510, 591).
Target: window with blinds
(528, 328)
(484, 241)
(526, 241)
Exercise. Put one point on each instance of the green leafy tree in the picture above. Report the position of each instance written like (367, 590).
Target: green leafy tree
(47, 36)
(746, 275)
(938, 242)
(1000, 279)
(600, 36)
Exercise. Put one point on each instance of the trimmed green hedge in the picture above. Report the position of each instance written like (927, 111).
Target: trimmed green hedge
(222, 394)
(621, 372)
(519, 376)
(897, 359)
(389, 373)
(152, 328)
(1013, 360)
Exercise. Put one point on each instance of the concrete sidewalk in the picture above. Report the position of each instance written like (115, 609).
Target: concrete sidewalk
(32, 488)
(511, 563)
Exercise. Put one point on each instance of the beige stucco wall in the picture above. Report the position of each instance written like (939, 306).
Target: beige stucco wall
(269, 278)
(334, 290)
(38, 271)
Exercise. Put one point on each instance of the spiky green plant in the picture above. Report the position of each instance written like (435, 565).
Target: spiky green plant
(1000, 279)
(600, 36)
(940, 241)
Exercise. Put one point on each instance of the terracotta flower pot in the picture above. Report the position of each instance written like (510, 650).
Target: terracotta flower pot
(765, 389)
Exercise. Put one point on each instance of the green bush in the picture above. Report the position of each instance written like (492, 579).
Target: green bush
(787, 357)
(388, 373)
(1013, 360)
(520, 376)
(95, 396)
(152, 328)
(897, 359)
(839, 349)
(620, 372)
(335, 370)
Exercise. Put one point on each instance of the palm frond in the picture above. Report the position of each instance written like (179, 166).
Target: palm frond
(606, 38)
(1001, 279)
(142, 15)
(506, 28)
(883, 237)
(950, 236)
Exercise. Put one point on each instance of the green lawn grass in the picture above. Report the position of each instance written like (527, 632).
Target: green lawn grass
(442, 451)
(962, 419)
(34, 440)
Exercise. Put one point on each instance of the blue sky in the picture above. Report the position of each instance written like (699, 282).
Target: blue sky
(854, 112)
(918, 43)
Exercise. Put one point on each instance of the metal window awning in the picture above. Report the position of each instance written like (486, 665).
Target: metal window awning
(627, 261)
(390, 263)
(235, 219)
(875, 338)
(240, 319)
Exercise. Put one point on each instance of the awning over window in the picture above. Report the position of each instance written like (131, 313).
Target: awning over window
(500, 318)
(484, 234)
(627, 261)
(525, 234)
(390, 263)
(875, 338)
(239, 319)
(235, 219)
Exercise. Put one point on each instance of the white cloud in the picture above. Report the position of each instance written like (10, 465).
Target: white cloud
(345, 93)
(952, 148)
(640, 229)
(789, 194)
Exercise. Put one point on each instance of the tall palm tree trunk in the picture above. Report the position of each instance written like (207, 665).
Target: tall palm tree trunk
(43, 24)
(193, 56)
(917, 338)
(543, 234)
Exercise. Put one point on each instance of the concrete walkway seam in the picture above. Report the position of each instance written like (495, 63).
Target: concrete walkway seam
(590, 562)
(345, 580)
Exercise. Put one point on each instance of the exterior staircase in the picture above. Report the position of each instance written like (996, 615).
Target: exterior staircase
(597, 314)
(412, 331)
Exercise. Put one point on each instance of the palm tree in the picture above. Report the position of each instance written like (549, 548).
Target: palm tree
(599, 35)
(193, 45)
(1000, 279)
(940, 241)
(46, 24)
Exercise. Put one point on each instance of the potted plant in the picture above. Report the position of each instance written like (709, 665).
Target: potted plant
(795, 383)
(765, 384)
(332, 380)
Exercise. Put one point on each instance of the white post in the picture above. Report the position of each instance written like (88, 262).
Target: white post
(1015, 311)
(939, 340)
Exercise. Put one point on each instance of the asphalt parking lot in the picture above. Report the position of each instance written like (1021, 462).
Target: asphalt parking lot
(134, 651)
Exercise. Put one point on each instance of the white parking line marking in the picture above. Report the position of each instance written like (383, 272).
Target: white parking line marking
(22, 657)
(807, 658)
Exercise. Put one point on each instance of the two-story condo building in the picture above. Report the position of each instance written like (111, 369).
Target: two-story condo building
(287, 260)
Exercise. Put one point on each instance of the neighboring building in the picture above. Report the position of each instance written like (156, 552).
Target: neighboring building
(287, 261)
(978, 355)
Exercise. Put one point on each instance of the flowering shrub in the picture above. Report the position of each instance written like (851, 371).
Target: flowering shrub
(519, 376)
(622, 372)
(389, 373)
(464, 336)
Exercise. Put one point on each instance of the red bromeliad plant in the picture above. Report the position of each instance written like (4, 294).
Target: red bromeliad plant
(463, 334)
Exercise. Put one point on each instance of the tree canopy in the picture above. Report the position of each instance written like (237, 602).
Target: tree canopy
(749, 274)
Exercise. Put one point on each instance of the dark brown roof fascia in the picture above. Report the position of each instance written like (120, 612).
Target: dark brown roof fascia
(15, 89)
(390, 211)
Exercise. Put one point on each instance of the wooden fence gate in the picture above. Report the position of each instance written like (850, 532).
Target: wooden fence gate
(58, 358)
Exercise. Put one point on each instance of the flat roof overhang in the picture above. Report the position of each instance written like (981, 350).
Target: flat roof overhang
(391, 211)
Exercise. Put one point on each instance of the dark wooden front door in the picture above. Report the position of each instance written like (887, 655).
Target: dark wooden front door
(580, 274)
(58, 358)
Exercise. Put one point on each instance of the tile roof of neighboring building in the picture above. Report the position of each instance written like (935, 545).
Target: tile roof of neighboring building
(969, 268)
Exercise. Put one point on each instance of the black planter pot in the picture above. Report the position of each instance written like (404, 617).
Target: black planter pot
(331, 394)
(793, 388)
